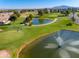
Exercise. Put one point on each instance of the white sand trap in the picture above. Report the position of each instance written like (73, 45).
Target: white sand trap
(1, 30)
(4, 54)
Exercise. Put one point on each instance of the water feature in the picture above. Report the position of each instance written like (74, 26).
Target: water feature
(37, 21)
(61, 44)
(59, 40)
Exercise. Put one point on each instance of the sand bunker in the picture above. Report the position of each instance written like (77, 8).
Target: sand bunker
(4, 54)
(1, 30)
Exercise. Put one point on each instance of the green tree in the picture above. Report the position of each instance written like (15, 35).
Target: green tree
(17, 13)
(12, 18)
(73, 12)
(67, 12)
(46, 11)
(23, 11)
(40, 12)
(28, 20)
(51, 11)
(30, 17)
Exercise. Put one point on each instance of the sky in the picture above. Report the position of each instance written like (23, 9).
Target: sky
(17, 4)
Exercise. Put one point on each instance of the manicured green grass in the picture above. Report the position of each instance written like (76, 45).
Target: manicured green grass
(51, 15)
(12, 39)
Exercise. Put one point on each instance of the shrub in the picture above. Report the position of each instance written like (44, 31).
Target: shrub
(69, 24)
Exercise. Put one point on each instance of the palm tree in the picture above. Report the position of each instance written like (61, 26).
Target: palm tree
(73, 12)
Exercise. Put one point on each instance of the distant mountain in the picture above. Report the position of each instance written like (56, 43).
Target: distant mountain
(62, 7)
(56, 7)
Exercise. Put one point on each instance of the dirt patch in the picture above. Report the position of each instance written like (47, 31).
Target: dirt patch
(5, 54)
(1, 30)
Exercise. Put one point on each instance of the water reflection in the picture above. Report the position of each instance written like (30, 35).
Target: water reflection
(37, 21)
(63, 53)
(50, 45)
(73, 49)
(73, 43)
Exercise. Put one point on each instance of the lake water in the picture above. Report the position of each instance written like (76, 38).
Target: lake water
(61, 44)
(36, 21)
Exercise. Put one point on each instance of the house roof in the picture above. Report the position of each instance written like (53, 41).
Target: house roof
(5, 16)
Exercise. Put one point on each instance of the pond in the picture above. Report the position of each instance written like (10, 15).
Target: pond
(37, 21)
(61, 44)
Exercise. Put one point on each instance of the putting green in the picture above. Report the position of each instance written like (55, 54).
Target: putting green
(9, 36)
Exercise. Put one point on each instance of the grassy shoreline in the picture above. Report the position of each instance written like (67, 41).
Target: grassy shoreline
(32, 42)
